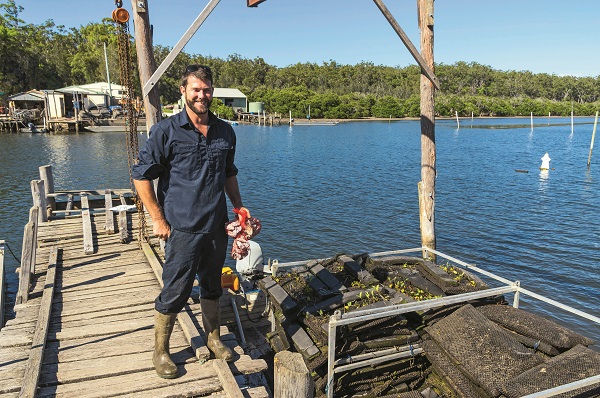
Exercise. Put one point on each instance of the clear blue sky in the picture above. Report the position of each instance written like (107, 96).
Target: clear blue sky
(543, 36)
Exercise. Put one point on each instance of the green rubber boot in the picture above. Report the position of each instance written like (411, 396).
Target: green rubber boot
(211, 321)
(163, 326)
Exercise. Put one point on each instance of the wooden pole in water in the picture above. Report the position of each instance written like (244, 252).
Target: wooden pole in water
(531, 121)
(571, 117)
(146, 62)
(428, 151)
(457, 121)
(592, 143)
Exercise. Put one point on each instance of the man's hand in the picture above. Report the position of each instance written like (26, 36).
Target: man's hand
(161, 228)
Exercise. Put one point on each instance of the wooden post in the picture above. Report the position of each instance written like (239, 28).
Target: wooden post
(33, 366)
(38, 192)
(86, 221)
(428, 151)
(292, 378)
(109, 223)
(146, 62)
(48, 178)
(28, 255)
(2, 289)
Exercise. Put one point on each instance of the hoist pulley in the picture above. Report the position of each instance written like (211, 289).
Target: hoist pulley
(120, 15)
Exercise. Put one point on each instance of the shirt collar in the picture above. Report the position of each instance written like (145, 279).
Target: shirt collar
(184, 119)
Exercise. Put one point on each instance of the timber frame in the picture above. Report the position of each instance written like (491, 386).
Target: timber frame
(150, 74)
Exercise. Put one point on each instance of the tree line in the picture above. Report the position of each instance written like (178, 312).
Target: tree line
(47, 56)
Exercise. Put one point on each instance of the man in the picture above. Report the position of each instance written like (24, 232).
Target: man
(192, 154)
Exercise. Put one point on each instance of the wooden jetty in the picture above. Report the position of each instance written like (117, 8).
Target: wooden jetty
(84, 312)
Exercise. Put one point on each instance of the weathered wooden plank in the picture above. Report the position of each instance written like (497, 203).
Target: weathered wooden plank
(10, 355)
(48, 178)
(122, 285)
(101, 329)
(88, 243)
(10, 340)
(69, 204)
(136, 341)
(91, 192)
(83, 282)
(123, 232)
(94, 304)
(109, 366)
(26, 263)
(109, 225)
(34, 364)
(227, 380)
(67, 319)
(39, 199)
(196, 380)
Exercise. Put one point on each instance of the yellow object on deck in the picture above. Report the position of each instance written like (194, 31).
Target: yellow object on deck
(229, 280)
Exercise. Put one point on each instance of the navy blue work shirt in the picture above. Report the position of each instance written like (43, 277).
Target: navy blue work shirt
(191, 169)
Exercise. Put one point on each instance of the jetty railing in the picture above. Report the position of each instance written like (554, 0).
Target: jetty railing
(340, 319)
(28, 255)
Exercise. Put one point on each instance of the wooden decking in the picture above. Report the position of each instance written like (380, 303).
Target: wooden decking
(86, 327)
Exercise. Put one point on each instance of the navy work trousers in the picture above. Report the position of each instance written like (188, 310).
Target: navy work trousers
(188, 255)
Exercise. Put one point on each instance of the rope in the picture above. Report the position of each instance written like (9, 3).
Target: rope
(131, 124)
(11, 252)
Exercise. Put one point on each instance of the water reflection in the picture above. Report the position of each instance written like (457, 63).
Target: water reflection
(544, 174)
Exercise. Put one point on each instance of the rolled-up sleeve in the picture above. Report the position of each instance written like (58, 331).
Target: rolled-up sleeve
(151, 158)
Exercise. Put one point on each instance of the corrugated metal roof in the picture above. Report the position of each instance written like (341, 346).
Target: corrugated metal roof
(78, 89)
(228, 93)
(27, 96)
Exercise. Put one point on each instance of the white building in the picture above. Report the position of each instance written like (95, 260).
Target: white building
(63, 101)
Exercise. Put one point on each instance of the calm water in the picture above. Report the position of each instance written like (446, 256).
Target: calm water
(322, 190)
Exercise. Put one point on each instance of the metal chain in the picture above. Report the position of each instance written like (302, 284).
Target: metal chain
(131, 121)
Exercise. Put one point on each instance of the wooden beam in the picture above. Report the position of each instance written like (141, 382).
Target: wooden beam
(150, 82)
(123, 231)
(109, 223)
(91, 192)
(38, 192)
(48, 178)
(185, 321)
(36, 354)
(86, 220)
(25, 269)
(230, 386)
(146, 61)
(426, 69)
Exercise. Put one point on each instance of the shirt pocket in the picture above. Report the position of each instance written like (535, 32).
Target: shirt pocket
(186, 157)
(219, 150)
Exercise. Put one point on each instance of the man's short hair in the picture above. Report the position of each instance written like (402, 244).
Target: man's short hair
(201, 72)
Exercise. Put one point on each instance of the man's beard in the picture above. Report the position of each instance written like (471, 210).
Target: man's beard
(193, 105)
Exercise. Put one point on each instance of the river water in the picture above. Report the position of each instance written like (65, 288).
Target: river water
(352, 188)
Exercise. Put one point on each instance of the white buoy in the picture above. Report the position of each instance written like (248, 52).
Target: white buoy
(545, 162)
